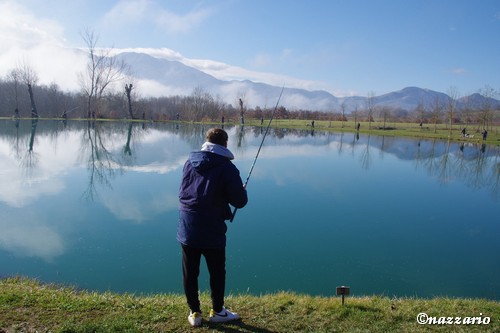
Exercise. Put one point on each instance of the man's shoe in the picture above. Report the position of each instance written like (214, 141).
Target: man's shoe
(223, 316)
(194, 319)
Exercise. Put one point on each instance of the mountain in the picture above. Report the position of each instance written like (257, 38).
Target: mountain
(410, 97)
(171, 77)
(477, 101)
(163, 77)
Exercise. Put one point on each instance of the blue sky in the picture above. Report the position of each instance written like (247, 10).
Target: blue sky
(344, 47)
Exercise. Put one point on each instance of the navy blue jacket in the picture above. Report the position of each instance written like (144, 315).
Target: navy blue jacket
(210, 182)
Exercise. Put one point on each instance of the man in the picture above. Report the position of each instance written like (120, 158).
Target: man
(210, 183)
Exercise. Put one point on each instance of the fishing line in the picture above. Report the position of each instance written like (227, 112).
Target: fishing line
(261, 143)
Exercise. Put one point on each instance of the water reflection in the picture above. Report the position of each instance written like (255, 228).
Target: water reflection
(35, 154)
(105, 193)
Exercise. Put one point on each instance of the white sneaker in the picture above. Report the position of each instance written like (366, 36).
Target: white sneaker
(194, 319)
(223, 316)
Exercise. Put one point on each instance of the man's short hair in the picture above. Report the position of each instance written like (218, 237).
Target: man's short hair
(217, 135)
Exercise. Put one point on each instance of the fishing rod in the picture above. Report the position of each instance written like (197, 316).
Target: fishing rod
(258, 151)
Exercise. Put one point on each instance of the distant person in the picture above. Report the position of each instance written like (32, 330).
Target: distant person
(464, 132)
(210, 183)
(485, 134)
(358, 126)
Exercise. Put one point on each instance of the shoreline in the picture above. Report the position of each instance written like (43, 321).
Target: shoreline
(394, 129)
(27, 305)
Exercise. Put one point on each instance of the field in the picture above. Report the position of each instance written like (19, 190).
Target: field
(430, 131)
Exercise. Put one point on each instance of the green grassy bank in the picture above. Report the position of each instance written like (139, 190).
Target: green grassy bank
(29, 306)
(396, 129)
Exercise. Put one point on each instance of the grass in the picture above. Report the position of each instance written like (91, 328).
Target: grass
(27, 305)
(396, 129)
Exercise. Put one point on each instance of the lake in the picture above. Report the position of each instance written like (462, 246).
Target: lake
(94, 205)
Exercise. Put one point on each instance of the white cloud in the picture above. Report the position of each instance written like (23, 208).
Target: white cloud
(156, 167)
(125, 207)
(20, 28)
(128, 12)
(161, 53)
(29, 238)
(39, 42)
(28, 176)
(458, 71)
(261, 60)
(175, 23)
(150, 88)
(226, 72)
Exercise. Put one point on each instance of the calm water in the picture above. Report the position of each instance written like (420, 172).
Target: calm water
(96, 207)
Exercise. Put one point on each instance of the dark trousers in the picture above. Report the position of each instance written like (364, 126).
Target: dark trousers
(216, 264)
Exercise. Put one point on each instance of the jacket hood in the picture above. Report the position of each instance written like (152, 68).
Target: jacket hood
(204, 160)
(217, 149)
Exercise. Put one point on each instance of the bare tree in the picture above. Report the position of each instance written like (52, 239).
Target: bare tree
(355, 114)
(128, 93)
(342, 107)
(467, 110)
(436, 110)
(420, 111)
(30, 78)
(102, 71)
(242, 111)
(15, 77)
(451, 106)
(486, 107)
(370, 107)
(385, 113)
(219, 107)
(198, 105)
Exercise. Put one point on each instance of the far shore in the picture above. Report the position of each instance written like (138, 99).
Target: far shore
(474, 132)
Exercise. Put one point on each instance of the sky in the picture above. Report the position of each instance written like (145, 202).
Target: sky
(355, 47)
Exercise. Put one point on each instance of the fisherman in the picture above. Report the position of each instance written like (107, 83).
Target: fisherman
(210, 183)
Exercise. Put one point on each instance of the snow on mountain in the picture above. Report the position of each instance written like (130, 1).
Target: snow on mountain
(167, 74)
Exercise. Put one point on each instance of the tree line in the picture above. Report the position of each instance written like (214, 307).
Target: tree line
(107, 90)
(21, 96)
